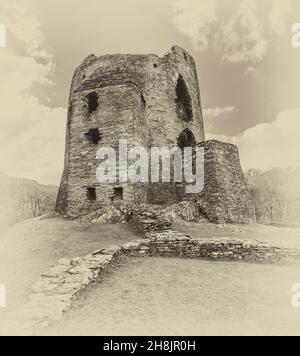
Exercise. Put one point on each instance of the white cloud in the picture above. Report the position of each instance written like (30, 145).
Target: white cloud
(212, 115)
(243, 36)
(240, 38)
(270, 145)
(280, 13)
(21, 19)
(31, 134)
(252, 72)
(194, 18)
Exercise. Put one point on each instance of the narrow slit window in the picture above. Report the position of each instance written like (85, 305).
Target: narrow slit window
(91, 194)
(143, 102)
(94, 136)
(71, 109)
(118, 193)
(92, 101)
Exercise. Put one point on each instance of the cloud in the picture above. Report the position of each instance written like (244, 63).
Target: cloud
(243, 36)
(194, 19)
(270, 145)
(212, 115)
(240, 38)
(37, 153)
(21, 19)
(31, 134)
(252, 72)
(279, 15)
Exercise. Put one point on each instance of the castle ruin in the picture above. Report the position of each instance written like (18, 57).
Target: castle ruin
(150, 101)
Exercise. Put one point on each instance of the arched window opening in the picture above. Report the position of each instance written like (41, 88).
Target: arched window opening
(92, 100)
(183, 101)
(187, 139)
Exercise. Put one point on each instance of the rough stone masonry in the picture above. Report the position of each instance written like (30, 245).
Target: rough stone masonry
(151, 101)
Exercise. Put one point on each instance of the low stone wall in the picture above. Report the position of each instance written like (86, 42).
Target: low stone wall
(173, 244)
(54, 293)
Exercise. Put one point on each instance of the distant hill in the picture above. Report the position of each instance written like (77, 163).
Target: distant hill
(22, 199)
(277, 195)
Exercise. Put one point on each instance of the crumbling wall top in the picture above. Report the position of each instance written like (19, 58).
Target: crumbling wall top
(118, 68)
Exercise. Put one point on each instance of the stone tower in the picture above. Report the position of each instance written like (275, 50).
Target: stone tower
(150, 101)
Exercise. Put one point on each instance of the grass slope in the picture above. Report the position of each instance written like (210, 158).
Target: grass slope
(153, 296)
(156, 296)
(31, 247)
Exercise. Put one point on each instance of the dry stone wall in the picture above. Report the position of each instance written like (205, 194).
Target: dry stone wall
(54, 293)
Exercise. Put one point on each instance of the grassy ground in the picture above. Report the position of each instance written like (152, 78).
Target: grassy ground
(155, 296)
(137, 295)
(31, 247)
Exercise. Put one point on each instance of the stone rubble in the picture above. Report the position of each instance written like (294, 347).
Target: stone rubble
(147, 220)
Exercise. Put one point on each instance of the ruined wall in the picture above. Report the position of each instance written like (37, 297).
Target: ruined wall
(150, 101)
(226, 197)
(138, 101)
(161, 76)
(114, 121)
(54, 293)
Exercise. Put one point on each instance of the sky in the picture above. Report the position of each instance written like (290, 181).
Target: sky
(249, 72)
